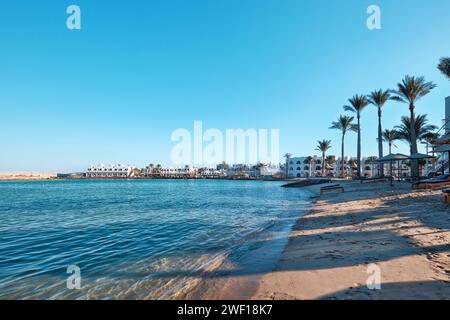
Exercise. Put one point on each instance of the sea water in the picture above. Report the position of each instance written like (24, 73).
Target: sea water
(136, 239)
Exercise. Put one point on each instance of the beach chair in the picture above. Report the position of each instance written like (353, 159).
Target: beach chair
(433, 184)
(331, 188)
(446, 193)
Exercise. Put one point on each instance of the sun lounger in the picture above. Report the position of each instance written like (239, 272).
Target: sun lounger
(435, 183)
(432, 185)
(331, 188)
(446, 193)
(378, 179)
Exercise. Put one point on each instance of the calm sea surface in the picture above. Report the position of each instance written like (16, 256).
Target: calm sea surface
(136, 239)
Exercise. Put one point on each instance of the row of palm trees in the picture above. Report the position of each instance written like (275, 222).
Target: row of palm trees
(412, 128)
(409, 91)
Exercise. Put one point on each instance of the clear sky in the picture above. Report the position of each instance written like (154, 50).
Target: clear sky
(114, 91)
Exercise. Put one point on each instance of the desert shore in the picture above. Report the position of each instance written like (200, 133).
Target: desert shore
(6, 176)
(405, 233)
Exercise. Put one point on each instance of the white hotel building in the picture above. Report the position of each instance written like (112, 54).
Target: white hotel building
(109, 171)
(299, 167)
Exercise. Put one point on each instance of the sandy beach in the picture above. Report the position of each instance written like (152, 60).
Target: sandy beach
(5, 176)
(406, 234)
(402, 233)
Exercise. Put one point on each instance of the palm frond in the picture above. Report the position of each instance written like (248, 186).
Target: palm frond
(421, 128)
(379, 97)
(323, 145)
(344, 123)
(444, 67)
(357, 103)
(350, 109)
(411, 89)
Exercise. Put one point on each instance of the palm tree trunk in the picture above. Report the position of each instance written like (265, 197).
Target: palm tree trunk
(342, 158)
(310, 170)
(414, 163)
(359, 147)
(390, 152)
(380, 143)
(323, 163)
(287, 168)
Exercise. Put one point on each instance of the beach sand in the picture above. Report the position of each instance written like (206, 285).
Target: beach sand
(404, 232)
(26, 176)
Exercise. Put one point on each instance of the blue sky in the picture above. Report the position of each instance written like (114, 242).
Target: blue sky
(114, 91)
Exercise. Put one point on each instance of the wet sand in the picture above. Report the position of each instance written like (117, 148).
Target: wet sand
(405, 233)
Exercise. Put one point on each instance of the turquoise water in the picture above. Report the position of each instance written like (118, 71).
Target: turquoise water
(134, 239)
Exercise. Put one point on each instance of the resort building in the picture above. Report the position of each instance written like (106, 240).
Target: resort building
(441, 146)
(266, 171)
(445, 149)
(447, 114)
(304, 167)
(183, 172)
(210, 173)
(369, 167)
(241, 171)
(109, 171)
(151, 170)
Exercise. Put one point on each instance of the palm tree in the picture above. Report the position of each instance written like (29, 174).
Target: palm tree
(158, 169)
(352, 165)
(444, 67)
(330, 161)
(378, 99)
(409, 91)
(344, 124)
(357, 105)
(323, 146)
(421, 131)
(308, 160)
(288, 157)
(430, 137)
(150, 169)
(390, 136)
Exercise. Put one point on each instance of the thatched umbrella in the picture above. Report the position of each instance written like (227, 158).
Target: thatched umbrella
(394, 157)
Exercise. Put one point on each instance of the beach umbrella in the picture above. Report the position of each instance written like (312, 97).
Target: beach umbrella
(394, 157)
(445, 139)
(420, 156)
(441, 148)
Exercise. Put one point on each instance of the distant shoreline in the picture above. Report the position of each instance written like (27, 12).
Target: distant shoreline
(50, 177)
(26, 176)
